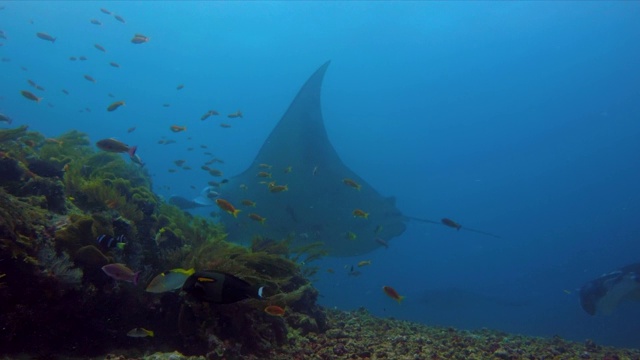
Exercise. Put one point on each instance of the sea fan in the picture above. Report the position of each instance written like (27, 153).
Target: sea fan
(59, 267)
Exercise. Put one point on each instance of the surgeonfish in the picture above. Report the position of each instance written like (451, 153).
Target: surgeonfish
(169, 280)
(140, 333)
(220, 288)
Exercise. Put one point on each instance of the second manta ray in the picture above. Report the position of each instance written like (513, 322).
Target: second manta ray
(603, 294)
(220, 288)
(205, 199)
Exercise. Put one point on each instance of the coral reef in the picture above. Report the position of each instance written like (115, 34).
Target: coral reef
(60, 199)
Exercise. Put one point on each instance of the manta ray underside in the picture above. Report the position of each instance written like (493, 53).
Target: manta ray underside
(317, 205)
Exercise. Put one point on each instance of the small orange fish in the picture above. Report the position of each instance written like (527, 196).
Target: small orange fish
(361, 214)
(257, 217)
(139, 39)
(45, 36)
(364, 263)
(112, 203)
(274, 310)
(264, 174)
(131, 129)
(330, 271)
(278, 188)
(53, 141)
(236, 114)
(30, 143)
(265, 166)
(226, 206)
(392, 293)
(180, 87)
(451, 223)
(226, 126)
(114, 64)
(115, 105)
(179, 162)
(66, 167)
(215, 172)
(176, 128)
(351, 183)
(382, 242)
(172, 171)
(96, 22)
(247, 202)
(99, 47)
(119, 18)
(29, 95)
(88, 77)
(105, 11)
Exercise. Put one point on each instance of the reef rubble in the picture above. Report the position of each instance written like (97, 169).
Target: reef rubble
(359, 335)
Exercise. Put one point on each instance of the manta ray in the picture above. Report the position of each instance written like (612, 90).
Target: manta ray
(303, 191)
(603, 294)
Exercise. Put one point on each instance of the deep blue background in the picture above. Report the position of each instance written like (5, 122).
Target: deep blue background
(521, 119)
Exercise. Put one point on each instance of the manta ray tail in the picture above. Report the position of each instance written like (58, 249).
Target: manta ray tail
(461, 227)
(481, 232)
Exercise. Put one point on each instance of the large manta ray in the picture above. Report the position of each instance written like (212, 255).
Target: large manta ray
(317, 205)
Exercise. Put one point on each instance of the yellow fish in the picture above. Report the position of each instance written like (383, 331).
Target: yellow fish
(360, 213)
(139, 333)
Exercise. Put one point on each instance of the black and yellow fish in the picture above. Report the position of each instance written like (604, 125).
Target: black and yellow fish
(220, 288)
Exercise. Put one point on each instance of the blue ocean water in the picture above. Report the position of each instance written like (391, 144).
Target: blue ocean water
(516, 118)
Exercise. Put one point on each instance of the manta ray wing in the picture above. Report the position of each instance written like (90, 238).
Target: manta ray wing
(316, 204)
